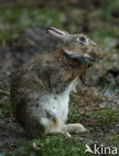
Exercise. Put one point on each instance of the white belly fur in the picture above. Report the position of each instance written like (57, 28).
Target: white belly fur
(55, 104)
(58, 103)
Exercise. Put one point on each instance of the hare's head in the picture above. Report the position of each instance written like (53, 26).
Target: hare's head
(77, 46)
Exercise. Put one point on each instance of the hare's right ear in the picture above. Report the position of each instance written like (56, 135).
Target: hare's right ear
(57, 33)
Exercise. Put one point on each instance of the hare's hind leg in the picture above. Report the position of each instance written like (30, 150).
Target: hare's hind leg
(75, 128)
(52, 125)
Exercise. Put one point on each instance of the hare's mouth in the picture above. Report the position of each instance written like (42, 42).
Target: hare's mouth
(86, 59)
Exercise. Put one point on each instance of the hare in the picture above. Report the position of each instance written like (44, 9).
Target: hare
(40, 89)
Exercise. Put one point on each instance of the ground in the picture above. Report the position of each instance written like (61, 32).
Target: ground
(95, 105)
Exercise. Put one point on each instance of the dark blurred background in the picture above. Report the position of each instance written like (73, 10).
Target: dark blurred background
(22, 26)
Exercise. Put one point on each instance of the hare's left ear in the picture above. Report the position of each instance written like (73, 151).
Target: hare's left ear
(57, 33)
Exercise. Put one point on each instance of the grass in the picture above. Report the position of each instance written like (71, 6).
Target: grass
(104, 117)
(51, 146)
(73, 114)
(108, 116)
(5, 108)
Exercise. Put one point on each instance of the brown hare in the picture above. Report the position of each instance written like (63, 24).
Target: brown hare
(40, 88)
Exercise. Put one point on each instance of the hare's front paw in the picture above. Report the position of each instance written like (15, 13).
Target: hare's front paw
(75, 128)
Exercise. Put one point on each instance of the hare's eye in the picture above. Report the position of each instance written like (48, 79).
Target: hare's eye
(83, 39)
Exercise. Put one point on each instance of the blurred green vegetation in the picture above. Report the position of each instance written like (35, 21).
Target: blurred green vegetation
(107, 7)
(13, 20)
(104, 31)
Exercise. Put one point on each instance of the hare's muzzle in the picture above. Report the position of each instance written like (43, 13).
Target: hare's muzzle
(86, 59)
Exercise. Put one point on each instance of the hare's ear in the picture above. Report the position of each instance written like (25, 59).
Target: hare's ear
(57, 33)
